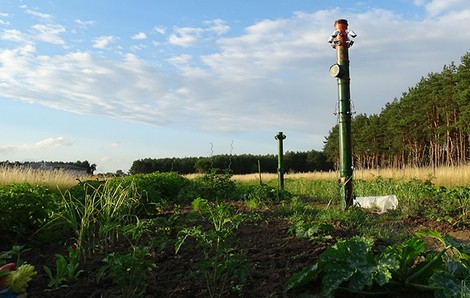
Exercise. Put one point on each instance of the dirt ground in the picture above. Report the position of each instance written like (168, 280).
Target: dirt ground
(273, 256)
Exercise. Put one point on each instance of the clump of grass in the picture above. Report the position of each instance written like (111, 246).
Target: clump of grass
(55, 179)
(98, 217)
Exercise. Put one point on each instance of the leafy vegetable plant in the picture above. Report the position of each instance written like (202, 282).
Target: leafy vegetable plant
(65, 271)
(128, 271)
(353, 266)
(222, 262)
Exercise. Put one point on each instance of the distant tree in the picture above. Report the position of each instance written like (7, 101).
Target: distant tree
(120, 173)
(91, 168)
(203, 165)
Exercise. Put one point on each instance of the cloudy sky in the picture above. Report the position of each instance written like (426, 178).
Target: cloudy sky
(115, 81)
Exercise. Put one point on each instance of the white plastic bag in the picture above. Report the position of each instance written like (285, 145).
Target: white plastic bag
(381, 203)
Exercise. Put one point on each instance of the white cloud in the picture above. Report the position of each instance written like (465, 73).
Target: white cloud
(2, 21)
(185, 37)
(139, 36)
(40, 15)
(190, 36)
(49, 33)
(179, 60)
(84, 23)
(14, 35)
(218, 26)
(160, 29)
(437, 7)
(45, 144)
(273, 75)
(103, 41)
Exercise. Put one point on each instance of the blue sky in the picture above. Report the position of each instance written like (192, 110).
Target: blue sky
(115, 81)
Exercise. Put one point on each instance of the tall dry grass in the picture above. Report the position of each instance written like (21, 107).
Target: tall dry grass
(441, 176)
(57, 179)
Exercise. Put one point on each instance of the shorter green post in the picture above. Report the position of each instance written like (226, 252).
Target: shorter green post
(280, 160)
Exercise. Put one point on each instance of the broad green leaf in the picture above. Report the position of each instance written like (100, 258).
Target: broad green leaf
(448, 285)
(303, 277)
(335, 278)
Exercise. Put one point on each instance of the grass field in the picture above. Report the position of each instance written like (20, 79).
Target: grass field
(53, 179)
(443, 176)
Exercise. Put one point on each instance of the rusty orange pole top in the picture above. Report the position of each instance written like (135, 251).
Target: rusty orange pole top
(341, 27)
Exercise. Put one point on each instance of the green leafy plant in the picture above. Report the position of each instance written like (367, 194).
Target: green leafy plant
(222, 262)
(16, 251)
(315, 231)
(98, 217)
(66, 271)
(156, 189)
(128, 271)
(24, 209)
(351, 265)
(212, 186)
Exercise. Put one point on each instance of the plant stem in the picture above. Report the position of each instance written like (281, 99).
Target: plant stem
(425, 267)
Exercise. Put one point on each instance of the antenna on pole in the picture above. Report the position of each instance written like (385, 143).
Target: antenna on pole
(341, 41)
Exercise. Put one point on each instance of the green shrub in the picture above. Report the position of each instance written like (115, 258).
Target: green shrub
(211, 187)
(24, 209)
(155, 188)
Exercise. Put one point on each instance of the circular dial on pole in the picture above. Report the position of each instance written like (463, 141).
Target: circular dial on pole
(335, 70)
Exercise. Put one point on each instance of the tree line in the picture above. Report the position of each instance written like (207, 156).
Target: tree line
(237, 164)
(429, 125)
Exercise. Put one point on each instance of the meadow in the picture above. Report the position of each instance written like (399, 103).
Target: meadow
(214, 235)
(450, 176)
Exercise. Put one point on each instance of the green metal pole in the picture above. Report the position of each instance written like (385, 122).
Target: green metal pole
(341, 42)
(280, 160)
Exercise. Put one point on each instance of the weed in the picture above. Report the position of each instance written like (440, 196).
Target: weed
(65, 271)
(16, 251)
(128, 271)
(221, 262)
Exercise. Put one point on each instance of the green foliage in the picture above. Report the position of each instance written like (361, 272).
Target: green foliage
(454, 203)
(238, 164)
(352, 265)
(97, 218)
(315, 231)
(16, 251)
(65, 271)
(156, 189)
(323, 190)
(427, 126)
(81, 189)
(24, 209)
(222, 263)
(416, 197)
(129, 271)
(213, 187)
(257, 195)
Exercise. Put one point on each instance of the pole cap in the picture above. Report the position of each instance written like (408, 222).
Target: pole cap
(341, 21)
